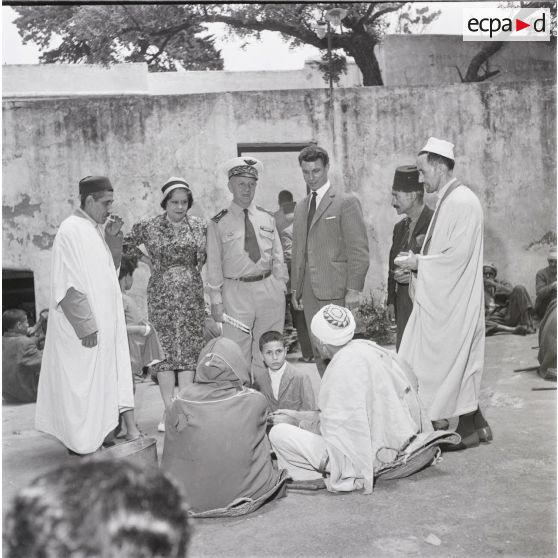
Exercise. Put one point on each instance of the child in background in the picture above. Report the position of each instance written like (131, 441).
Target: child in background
(144, 345)
(284, 386)
(21, 359)
(145, 348)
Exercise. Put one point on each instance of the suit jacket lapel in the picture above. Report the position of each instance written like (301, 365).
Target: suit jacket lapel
(265, 383)
(324, 204)
(286, 380)
(299, 223)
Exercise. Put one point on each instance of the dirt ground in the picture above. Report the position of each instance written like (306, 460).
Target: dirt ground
(495, 500)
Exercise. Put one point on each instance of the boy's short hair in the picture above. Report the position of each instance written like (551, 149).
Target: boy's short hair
(128, 265)
(11, 317)
(270, 336)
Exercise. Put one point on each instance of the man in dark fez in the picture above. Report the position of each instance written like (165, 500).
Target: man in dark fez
(86, 378)
(407, 198)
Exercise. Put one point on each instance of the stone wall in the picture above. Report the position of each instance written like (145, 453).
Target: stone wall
(504, 135)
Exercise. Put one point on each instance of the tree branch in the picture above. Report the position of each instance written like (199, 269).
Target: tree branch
(472, 74)
(300, 33)
(385, 11)
(360, 23)
(161, 49)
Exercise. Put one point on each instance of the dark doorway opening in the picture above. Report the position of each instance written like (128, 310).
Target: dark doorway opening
(281, 170)
(18, 291)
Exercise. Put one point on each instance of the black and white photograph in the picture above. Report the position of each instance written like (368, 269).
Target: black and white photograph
(279, 279)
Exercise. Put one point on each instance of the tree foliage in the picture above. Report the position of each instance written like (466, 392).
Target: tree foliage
(169, 37)
(360, 32)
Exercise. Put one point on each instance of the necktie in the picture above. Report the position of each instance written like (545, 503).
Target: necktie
(311, 211)
(250, 240)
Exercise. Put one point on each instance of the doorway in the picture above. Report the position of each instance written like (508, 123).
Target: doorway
(281, 171)
(18, 291)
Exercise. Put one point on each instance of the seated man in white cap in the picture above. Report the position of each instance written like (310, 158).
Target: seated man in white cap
(508, 309)
(246, 274)
(370, 417)
(545, 285)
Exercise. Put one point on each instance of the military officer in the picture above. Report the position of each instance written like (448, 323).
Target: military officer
(246, 274)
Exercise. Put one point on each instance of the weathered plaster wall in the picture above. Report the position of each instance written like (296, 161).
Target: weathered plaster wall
(504, 135)
(49, 80)
(434, 59)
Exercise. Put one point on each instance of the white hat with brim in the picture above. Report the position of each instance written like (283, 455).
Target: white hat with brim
(439, 147)
(243, 166)
(552, 254)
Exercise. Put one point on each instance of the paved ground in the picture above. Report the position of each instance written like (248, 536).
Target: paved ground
(495, 500)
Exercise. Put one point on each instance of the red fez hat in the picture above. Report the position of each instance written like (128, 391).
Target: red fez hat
(406, 179)
(91, 184)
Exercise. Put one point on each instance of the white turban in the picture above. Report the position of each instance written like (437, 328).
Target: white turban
(333, 325)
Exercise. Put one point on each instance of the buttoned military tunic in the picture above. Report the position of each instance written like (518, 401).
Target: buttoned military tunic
(252, 292)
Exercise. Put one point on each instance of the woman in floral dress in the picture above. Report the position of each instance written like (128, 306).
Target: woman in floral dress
(175, 246)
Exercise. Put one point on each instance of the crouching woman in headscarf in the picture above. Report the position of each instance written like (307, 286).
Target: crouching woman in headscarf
(215, 441)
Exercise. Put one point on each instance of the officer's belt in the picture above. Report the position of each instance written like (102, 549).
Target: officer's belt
(251, 278)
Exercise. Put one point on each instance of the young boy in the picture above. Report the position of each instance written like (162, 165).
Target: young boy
(284, 386)
(144, 345)
(145, 348)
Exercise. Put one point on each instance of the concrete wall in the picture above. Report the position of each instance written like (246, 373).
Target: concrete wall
(506, 151)
(62, 80)
(49, 80)
(433, 59)
(404, 60)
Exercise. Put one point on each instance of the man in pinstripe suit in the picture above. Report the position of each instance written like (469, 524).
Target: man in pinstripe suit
(330, 244)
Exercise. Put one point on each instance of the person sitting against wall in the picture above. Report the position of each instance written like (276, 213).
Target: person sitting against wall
(547, 343)
(21, 359)
(98, 509)
(508, 309)
(216, 446)
(545, 285)
(38, 331)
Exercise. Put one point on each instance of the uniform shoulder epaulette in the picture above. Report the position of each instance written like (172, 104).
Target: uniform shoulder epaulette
(265, 210)
(219, 215)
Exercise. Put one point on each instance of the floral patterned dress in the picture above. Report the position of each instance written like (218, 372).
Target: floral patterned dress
(175, 290)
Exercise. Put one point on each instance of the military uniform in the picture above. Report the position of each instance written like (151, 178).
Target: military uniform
(252, 292)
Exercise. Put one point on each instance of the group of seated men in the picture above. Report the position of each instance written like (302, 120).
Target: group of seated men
(370, 424)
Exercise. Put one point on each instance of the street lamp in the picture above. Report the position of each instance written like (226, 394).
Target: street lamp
(323, 28)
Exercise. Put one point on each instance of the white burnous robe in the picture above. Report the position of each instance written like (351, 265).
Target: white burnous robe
(81, 390)
(369, 410)
(444, 338)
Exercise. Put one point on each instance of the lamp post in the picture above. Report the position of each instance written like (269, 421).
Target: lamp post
(333, 18)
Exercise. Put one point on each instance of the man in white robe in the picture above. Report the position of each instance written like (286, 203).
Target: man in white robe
(370, 417)
(86, 378)
(444, 339)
